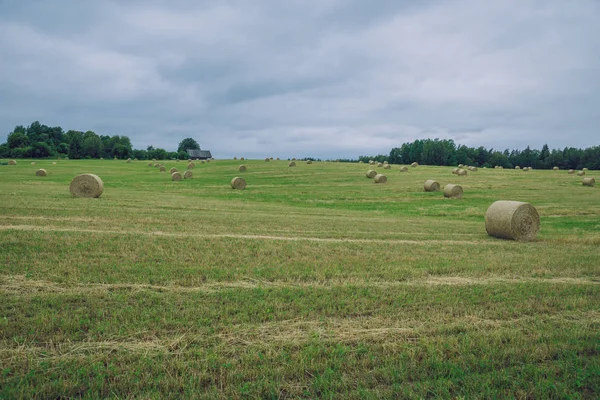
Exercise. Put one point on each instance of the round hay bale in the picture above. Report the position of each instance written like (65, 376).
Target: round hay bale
(291, 164)
(380, 178)
(453, 191)
(526, 169)
(267, 159)
(242, 158)
(584, 169)
(371, 174)
(156, 164)
(462, 172)
(101, 158)
(414, 165)
(581, 173)
(473, 169)
(309, 162)
(387, 166)
(554, 168)
(86, 185)
(379, 165)
(512, 220)
(501, 167)
(176, 176)
(360, 162)
(129, 160)
(571, 171)
(54, 163)
(163, 168)
(238, 183)
(33, 163)
(173, 170)
(455, 171)
(517, 167)
(431, 186)
(404, 169)
(42, 172)
(588, 181)
(460, 165)
(188, 174)
(385, 162)
(150, 164)
(242, 168)
(191, 165)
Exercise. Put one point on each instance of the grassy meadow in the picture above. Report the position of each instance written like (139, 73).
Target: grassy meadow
(314, 282)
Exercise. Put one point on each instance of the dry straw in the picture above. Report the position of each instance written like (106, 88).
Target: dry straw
(129, 160)
(191, 165)
(163, 168)
(176, 176)
(86, 185)
(581, 173)
(33, 163)
(238, 183)
(555, 169)
(571, 171)
(584, 169)
(292, 164)
(453, 191)
(371, 174)
(387, 166)
(156, 164)
(12, 162)
(188, 174)
(41, 172)
(512, 220)
(414, 165)
(173, 170)
(379, 165)
(54, 163)
(517, 167)
(431, 186)
(380, 178)
(460, 165)
(385, 162)
(588, 181)
(455, 171)
(404, 169)
(309, 162)
(474, 169)
(242, 168)
(461, 172)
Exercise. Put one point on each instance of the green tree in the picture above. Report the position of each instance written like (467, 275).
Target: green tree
(17, 139)
(92, 146)
(188, 143)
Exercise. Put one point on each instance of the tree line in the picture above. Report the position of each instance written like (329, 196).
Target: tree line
(446, 152)
(41, 141)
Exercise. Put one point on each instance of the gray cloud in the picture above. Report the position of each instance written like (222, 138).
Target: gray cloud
(335, 78)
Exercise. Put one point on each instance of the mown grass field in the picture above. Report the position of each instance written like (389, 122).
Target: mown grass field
(312, 282)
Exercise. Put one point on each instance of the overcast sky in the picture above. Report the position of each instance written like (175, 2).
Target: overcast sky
(327, 78)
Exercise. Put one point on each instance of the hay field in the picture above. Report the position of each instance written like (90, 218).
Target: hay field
(311, 282)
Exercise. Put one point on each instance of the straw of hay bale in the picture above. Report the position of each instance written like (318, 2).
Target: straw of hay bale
(453, 191)
(86, 185)
(512, 220)
(191, 165)
(129, 160)
(571, 171)
(455, 171)
(33, 163)
(156, 164)
(238, 183)
(584, 169)
(517, 167)
(360, 162)
(176, 176)
(387, 166)
(371, 174)
(379, 165)
(588, 182)
(291, 164)
(172, 170)
(163, 168)
(554, 168)
(526, 169)
(309, 162)
(474, 169)
(581, 173)
(431, 186)
(414, 165)
(462, 172)
(460, 165)
(188, 174)
(242, 168)
(267, 159)
(102, 158)
(54, 163)
(501, 167)
(380, 178)
(385, 162)
(404, 169)
(42, 172)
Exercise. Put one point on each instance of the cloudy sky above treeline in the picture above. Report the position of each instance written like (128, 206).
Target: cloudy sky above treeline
(328, 78)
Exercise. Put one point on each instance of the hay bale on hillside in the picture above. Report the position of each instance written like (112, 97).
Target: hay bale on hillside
(128, 160)
(387, 166)
(379, 165)
(431, 186)
(512, 220)
(461, 172)
(188, 174)
(453, 191)
(371, 174)
(294, 159)
(581, 173)
(380, 178)
(191, 165)
(172, 170)
(455, 171)
(238, 183)
(404, 169)
(588, 181)
(291, 164)
(371, 162)
(176, 176)
(12, 162)
(42, 172)
(242, 168)
(571, 171)
(309, 162)
(163, 168)
(86, 185)
(414, 165)
(501, 167)
(554, 168)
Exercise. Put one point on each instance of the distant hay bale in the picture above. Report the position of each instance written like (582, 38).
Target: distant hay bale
(202, 162)
(291, 164)
(517, 167)
(277, 158)
(360, 162)
(238, 183)
(387, 166)
(379, 165)
(156, 165)
(188, 174)
(163, 168)
(33, 163)
(54, 163)
(101, 158)
(588, 181)
(207, 161)
(473, 169)
(385, 162)
(293, 159)
(501, 167)
(86, 185)
(581, 173)
(191, 165)
(404, 169)
(554, 168)
(242, 168)
(42, 172)
(129, 160)
(371, 174)
(371, 162)
(513, 220)
(176, 176)
(150, 164)
(309, 162)
(460, 165)
(66, 158)
(462, 172)
(526, 169)
(453, 191)
(571, 171)
(431, 186)
(455, 171)
(584, 169)
(414, 165)
(172, 170)
(267, 159)
(380, 178)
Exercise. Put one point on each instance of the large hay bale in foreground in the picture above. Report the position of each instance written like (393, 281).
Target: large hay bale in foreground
(461, 172)
(571, 171)
(431, 186)
(415, 164)
(581, 173)
(588, 181)
(238, 183)
(387, 166)
(291, 164)
(242, 168)
(404, 169)
(86, 185)
(453, 191)
(554, 168)
(188, 174)
(163, 168)
(379, 165)
(176, 176)
(191, 165)
(12, 162)
(371, 174)
(380, 178)
(173, 170)
(512, 220)
(42, 172)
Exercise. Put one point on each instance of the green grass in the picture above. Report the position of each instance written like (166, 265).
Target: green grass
(312, 282)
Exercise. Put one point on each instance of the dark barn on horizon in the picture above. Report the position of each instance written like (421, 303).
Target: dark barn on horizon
(199, 154)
